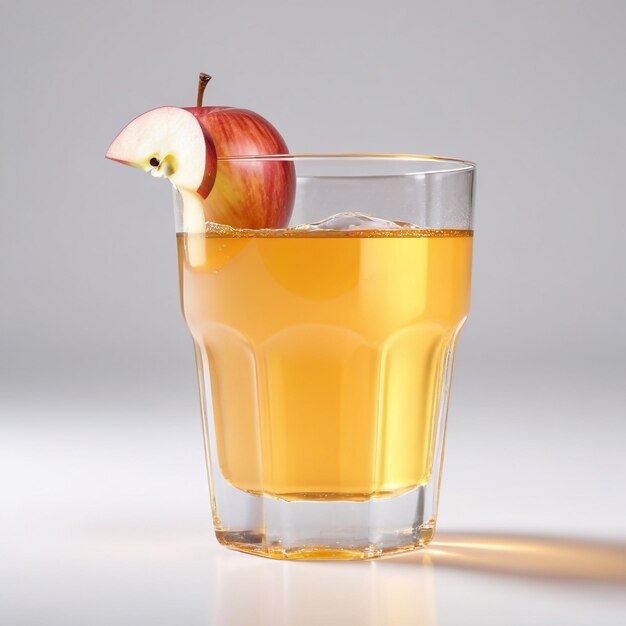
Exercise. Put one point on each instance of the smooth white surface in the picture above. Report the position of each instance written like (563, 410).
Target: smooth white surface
(106, 518)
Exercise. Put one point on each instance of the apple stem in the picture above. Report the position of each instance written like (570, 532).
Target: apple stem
(203, 79)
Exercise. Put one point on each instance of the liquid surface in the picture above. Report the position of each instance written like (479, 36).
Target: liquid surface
(327, 352)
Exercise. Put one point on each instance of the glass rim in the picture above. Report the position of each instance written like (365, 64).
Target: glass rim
(456, 164)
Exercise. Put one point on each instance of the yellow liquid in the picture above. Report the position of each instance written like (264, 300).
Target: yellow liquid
(327, 353)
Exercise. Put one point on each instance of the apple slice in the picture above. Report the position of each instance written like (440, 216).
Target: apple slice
(169, 142)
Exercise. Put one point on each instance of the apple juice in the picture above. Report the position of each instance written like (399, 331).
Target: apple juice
(328, 353)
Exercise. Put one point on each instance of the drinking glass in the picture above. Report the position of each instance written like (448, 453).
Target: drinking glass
(324, 354)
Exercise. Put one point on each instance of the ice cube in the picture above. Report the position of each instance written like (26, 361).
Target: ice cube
(351, 220)
(346, 221)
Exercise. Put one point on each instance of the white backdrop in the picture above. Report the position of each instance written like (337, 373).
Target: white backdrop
(104, 515)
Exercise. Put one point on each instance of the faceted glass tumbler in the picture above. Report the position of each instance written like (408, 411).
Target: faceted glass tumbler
(324, 354)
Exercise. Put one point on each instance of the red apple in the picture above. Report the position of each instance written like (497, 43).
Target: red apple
(191, 147)
(247, 193)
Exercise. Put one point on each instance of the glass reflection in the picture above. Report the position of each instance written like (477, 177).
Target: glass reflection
(261, 592)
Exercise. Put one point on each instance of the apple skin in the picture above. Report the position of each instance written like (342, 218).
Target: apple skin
(248, 193)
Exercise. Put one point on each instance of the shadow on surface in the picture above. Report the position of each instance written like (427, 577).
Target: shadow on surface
(527, 556)
(176, 557)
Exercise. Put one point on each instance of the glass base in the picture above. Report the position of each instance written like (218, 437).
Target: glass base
(341, 530)
(340, 526)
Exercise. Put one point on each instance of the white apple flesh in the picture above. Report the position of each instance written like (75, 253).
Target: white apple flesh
(170, 142)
